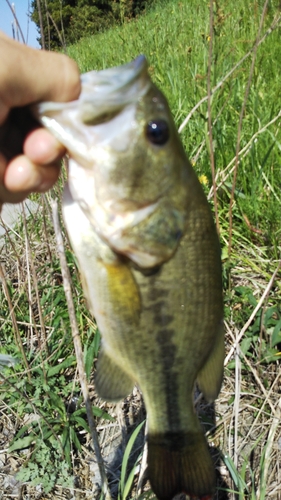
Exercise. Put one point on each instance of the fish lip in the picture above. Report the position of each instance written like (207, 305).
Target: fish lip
(114, 79)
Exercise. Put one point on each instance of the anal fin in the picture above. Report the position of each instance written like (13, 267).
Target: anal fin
(210, 376)
(111, 382)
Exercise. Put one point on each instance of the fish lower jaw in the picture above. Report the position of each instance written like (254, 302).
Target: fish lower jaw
(143, 259)
(119, 231)
(112, 222)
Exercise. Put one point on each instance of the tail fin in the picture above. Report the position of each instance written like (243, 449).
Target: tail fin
(180, 463)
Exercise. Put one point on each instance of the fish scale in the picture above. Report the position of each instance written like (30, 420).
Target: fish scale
(149, 257)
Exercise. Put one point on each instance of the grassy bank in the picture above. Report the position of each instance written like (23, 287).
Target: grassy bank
(175, 39)
(38, 393)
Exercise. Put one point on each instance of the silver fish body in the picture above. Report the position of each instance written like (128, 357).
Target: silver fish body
(149, 257)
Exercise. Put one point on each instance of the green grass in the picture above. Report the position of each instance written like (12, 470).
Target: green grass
(175, 38)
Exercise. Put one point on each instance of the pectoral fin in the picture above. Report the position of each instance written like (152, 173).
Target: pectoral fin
(210, 377)
(111, 382)
(107, 280)
(122, 292)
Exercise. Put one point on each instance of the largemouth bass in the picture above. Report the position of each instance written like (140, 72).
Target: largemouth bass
(149, 257)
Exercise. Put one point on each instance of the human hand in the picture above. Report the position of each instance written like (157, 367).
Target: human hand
(29, 154)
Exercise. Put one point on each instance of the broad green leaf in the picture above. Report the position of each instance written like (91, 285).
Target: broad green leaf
(80, 421)
(20, 444)
(69, 361)
(57, 402)
(74, 439)
(276, 334)
(102, 414)
(246, 344)
(236, 477)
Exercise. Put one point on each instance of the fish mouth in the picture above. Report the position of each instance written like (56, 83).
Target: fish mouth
(120, 84)
(103, 94)
(106, 92)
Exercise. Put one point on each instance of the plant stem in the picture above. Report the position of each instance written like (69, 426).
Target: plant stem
(78, 349)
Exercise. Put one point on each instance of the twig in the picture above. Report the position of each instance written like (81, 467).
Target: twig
(27, 252)
(16, 19)
(265, 402)
(57, 30)
(30, 261)
(28, 21)
(78, 349)
(25, 323)
(14, 321)
(236, 403)
(241, 117)
(48, 26)
(30, 264)
(41, 24)
(254, 372)
(257, 379)
(210, 129)
(247, 324)
(242, 153)
(62, 27)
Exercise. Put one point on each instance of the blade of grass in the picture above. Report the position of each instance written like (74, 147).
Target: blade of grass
(125, 485)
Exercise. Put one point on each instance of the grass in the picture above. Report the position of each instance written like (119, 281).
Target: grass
(177, 49)
(38, 393)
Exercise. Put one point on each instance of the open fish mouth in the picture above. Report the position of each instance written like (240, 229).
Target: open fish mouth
(104, 93)
(112, 89)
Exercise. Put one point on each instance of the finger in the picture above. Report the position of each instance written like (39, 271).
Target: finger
(24, 176)
(5, 194)
(42, 148)
(43, 75)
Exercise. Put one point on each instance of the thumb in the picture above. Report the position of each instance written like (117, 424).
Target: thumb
(29, 75)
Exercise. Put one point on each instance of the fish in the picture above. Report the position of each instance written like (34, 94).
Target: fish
(149, 256)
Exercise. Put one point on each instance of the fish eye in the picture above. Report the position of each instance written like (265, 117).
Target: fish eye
(157, 132)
